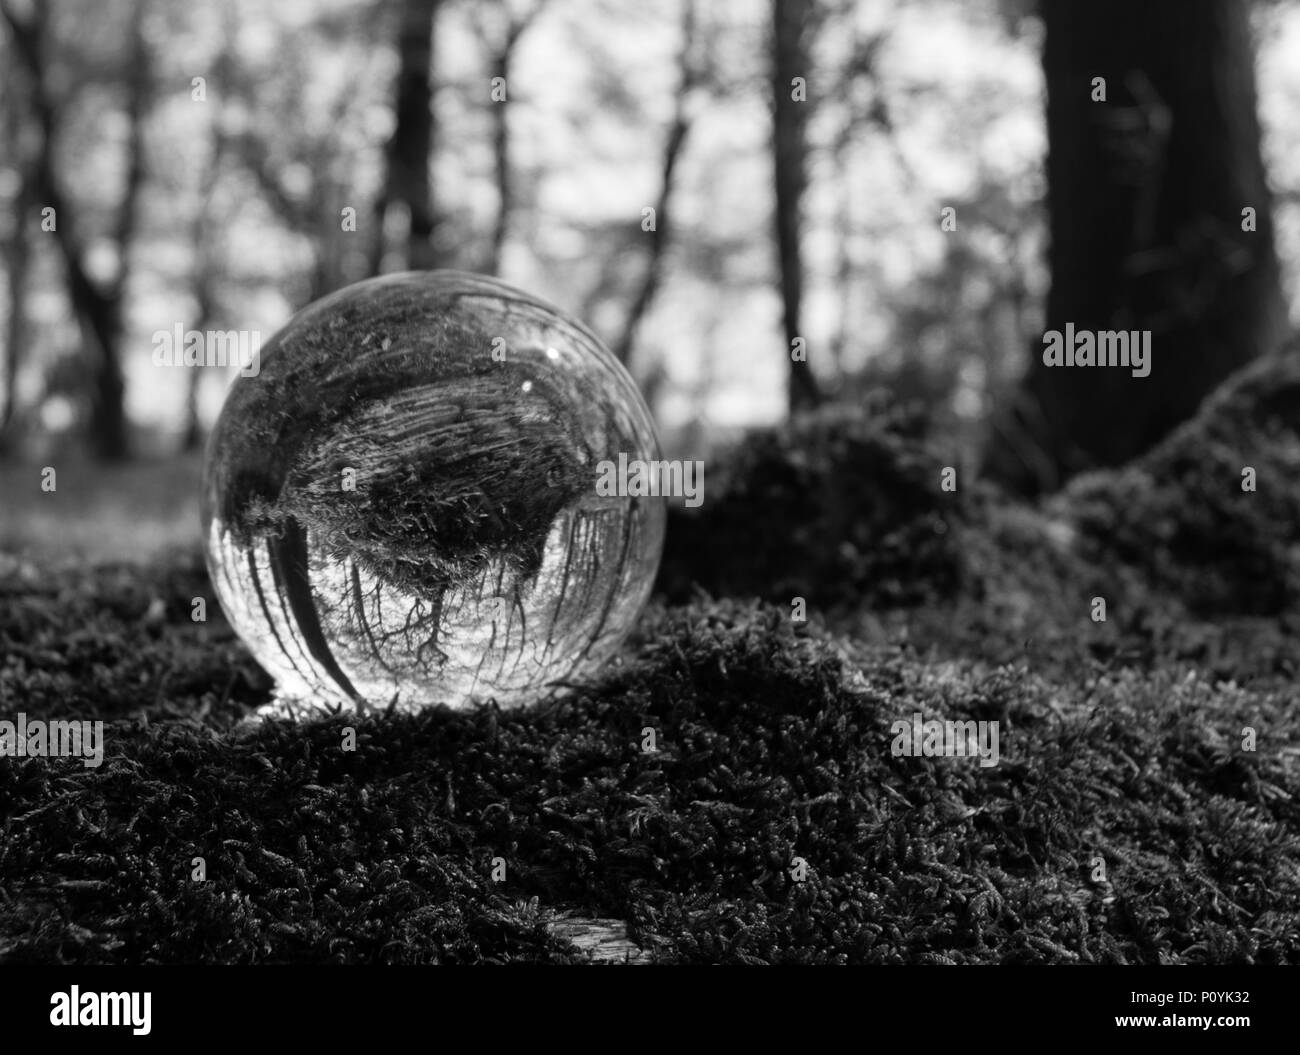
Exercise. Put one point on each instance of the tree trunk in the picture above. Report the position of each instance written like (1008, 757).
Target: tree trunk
(108, 423)
(411, 143)
(205, 265)
(502, 59)
(645, 294)
(98, 307)
(17, 261)
(792, 26)
(204, 236)
(501, 159)
(1147, 191)
(109, 434)
(99, 312)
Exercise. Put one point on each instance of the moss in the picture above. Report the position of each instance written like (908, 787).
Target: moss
(114, 641)
(1180, 514)
(1121, 742)
(840, 508)
(771, 744)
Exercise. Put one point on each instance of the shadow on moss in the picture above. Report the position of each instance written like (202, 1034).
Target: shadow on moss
(839, 508)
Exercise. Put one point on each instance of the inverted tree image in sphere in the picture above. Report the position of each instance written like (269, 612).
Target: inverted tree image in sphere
(400, 505)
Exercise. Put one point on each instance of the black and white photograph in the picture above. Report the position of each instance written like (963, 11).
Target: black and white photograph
(650, 483)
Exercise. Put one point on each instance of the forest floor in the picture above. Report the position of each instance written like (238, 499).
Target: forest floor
(1145, 806)
(98, 513)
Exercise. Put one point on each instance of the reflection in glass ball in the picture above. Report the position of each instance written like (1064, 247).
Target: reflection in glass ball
(400, 506)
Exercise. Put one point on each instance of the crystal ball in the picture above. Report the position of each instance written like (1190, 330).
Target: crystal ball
(400, 504)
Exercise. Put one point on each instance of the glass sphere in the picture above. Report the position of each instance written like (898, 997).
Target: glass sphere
(400, 504)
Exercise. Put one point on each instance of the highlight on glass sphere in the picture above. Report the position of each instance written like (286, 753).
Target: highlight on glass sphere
(400, 506)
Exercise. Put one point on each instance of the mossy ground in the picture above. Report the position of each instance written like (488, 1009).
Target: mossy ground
(1120, 741)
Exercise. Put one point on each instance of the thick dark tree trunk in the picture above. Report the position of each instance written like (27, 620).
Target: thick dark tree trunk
(99, 311)
(1147, 191)
(109, 433)
(792, 27)
(411, 143)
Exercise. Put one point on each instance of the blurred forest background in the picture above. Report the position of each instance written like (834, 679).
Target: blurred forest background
(200, 158)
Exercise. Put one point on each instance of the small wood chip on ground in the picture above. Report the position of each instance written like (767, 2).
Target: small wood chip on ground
(605, 939)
